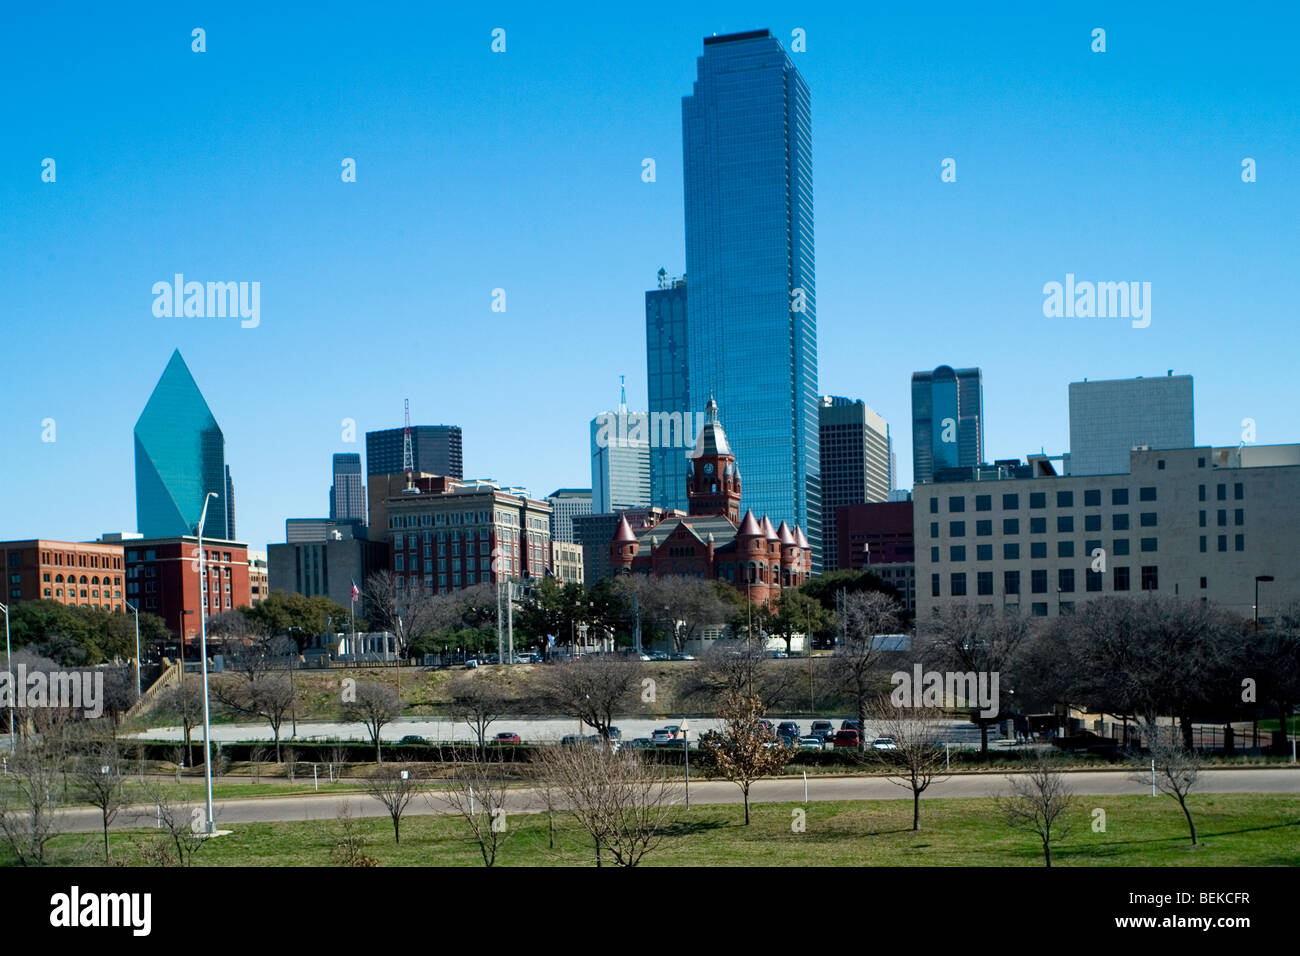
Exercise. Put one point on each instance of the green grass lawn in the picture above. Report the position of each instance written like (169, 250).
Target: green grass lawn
(1235, 829)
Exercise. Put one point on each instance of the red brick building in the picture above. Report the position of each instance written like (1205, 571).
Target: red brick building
(878, 533)
(712, 541)
(162, 575)
(73, 573)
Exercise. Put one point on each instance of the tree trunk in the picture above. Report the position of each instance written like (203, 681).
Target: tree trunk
(1047, 852)
(397, 829)
(1190, 825)
(745, 791)
(1186, 724)
(108, 855)
(916, 809)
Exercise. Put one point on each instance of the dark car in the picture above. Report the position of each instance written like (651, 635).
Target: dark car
(788, 728)
(847, 738)
(823, 729)
(508, 738)
(848, 725)
(412, 739)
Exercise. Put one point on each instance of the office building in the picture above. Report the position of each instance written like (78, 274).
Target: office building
(74, 573)
(435, 450)
(620, 461)
(162, 578)
(947, 421)
(348, 489)
(668, 390)
(325, 558)
(565, 504)
(1108, 419)
(259, 577)
(751, 294)
(879, 538)
(855, 452)
(180, 458)
(566, 562)
(1196, 523)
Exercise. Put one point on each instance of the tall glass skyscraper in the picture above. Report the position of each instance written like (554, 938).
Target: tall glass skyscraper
(348, 491)
(668, 388)
(947, 421)
(751, 292)
(180, 456)
(620, 461)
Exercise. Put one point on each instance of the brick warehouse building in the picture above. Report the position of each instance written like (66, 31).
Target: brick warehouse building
(162, 575)
(86, 574)
(712, 541)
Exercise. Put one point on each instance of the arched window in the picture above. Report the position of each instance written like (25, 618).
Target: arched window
(83, 580)
(58, 579)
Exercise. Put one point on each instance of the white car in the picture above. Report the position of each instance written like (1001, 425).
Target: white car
(810, 743)
(884, 743)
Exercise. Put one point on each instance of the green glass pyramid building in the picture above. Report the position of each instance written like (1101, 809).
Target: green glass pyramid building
(180, 456)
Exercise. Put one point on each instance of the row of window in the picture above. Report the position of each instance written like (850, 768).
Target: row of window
(72, 593)
(1038, 549)
(1064, 524)
(72, 579)
(70, 559)
(462, 518)
(1038, 581)
(1119, 497)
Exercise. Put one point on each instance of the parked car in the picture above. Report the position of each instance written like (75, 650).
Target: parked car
(822, 729)
(845, 739)
(884, 743)
(850, 724)
(471, 664)
(683, 657)
(412, 739)
(661, 736)
(659, 656)
(766, 727)
(674, 729)
(644, 657)
(508, 737)
(788, 728)
(640, 743)
(573, 740)
(811, 742)
(615, 734)
(778, 655)
(596, 740)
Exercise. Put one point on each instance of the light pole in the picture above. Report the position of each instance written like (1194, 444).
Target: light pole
(136, 612)
(9, 665)
(203, 657)
(1267, 579)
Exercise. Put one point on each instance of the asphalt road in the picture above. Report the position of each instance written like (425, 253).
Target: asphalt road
(326, 806)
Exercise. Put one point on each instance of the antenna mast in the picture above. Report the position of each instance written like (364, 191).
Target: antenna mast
(408, 459)
(622, 393)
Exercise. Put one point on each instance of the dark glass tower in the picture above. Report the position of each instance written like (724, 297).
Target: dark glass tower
(672, 434)
(180, 456)
(348, 492)
(751, 291)
(435, 448)
(947, 421)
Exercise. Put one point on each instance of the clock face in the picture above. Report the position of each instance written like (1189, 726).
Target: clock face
(708, 468)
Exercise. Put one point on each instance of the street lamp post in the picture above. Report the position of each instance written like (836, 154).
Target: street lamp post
(9, 665)
(203, 657)
(136, 612)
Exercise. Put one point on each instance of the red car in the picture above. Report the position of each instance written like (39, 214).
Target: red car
(846, 738)
(508, 738)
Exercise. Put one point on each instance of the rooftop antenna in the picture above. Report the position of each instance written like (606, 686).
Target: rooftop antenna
(622, 394)
(408, 458)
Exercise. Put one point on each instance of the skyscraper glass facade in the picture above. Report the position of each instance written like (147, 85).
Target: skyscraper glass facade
(348, 491)
(855, 465)
(620, 461)
(668, 387)
(180, 456)
(751, 290)
(436, 449)
(947, 421)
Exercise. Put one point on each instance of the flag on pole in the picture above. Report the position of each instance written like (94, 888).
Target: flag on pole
(356, 595)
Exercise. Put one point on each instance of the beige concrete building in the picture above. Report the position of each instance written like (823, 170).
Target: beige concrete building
(1199, 523)
(566, 562)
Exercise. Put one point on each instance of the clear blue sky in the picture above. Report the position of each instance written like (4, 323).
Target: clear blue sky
(522, 171)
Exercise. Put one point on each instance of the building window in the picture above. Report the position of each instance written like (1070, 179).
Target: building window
(1011, 582)
(934, 555)
(983, 502)
(1238, 491)
(934, 529)
(1202, 518)
(1065, 499)
(1241, 542)
(934, 506)
(1223, 542)
(1150, 580)
(1223, 517)
(959, 584)
(957, 553)
(956, 529)
(1065, 549)
(1038, 499)
(1223, 492)
(1010, 502)
(1065, 580)
(1202, 583)
(1202, 544)
(1038, 581)
(1038, 549)
(1121, 546)
(984, 582)
(1040, 609)
(1092, 580)
(956, 503)
(1092, 498)
(1092, 522)
(1038, 526)
(1147, 494)
(1201, 492)
(1120, 580)
(1064, 524)
(1010, 551)
(985, 528)
(1119, 522)
(1148, 544)
(1011, 526)
(1119, 496)
(934, 585)
(1147, 519)
(984, 552)
(1238, 516)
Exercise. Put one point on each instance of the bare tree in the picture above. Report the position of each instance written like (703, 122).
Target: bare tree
(741, 666)
(856, 663)
(918, 758)
(477, 791)
(594, 689)
(395, 787)
(99, 778)
(682, 605)
(1178, 768)
(348, 849)
(408, 615)
(375, 706)
(28, 804)
(624, 803)
(743, 752)
(478, 699)
(1038, 803)
(269, 696)
(183, 826)
(183, 703)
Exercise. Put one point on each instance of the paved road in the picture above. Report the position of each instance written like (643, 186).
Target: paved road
(326, 806)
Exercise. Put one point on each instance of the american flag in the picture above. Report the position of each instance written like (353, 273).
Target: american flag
(356, 595)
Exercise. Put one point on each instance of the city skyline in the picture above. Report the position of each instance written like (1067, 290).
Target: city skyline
(283, 392)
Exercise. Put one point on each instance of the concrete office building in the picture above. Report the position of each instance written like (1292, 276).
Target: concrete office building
(855, 453)
(1108, 419)
(348, 489)
(325, 558)
(1197, 523)
(565, 504)
(620, 461)
(436, 450)
(566, 562)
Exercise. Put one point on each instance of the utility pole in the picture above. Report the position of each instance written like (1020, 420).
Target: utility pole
(510, 620)
(636, 627)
